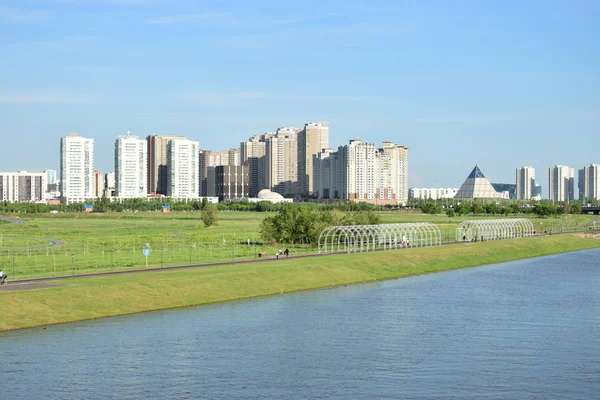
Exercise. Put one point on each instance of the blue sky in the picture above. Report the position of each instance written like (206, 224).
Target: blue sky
(495, 83)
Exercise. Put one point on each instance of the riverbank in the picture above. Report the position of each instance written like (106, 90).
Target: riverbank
(89, 298)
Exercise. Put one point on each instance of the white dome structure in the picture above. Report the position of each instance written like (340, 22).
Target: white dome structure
(266, 194)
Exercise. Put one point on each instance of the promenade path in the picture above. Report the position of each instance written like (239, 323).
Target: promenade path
(51, 242)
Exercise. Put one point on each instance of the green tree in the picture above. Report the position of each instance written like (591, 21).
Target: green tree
(450, 213)
(209, 214)
(544, 210)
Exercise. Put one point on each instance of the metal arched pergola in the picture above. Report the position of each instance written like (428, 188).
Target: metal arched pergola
(493, 229)
(359, 238)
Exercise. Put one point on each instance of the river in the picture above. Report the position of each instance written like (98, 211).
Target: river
(521, 330)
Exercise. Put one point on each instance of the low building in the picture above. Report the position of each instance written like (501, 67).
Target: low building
(23, 186)
(432, 194)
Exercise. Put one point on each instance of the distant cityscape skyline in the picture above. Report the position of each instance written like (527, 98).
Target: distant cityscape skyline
(111, 168)
(499, 84)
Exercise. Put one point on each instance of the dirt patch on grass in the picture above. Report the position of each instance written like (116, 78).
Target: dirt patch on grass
(14, 287)
(588, 235)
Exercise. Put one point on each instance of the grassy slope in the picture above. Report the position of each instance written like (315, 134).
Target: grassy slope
(108, 296)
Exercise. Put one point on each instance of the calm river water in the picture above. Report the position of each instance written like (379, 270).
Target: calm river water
(520, 330)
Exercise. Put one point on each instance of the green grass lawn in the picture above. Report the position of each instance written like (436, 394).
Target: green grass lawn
(101, 242)
(87, 298)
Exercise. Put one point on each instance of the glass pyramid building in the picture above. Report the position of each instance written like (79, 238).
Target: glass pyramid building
(477, 186)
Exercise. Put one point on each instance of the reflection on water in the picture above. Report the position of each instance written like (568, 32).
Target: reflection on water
(527, 329)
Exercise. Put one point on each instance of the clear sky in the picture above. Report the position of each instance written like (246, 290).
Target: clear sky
(495, 83)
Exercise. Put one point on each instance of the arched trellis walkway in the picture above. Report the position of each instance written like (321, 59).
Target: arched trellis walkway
(359, 238)
(493, 229)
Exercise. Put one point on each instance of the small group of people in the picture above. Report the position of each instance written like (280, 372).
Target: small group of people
(280, 253)
(3, 277)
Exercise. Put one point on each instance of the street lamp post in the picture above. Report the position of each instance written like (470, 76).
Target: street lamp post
(73, 263)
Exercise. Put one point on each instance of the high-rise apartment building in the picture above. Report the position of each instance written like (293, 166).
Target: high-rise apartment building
(157, 162)
(561, 183)
(324, 174)
(183, 172)
(362, 173)
(131, 167)
(98, 184)
(525, 179)
(589, 182)
(231, 182)
(76, 168)
(252, 155)
(204, 162)
(234, 157)
(51, 179)
(392, 174)
(109, 184)
(281, 161)
(22, 186)
(313, 138)
(359, 161)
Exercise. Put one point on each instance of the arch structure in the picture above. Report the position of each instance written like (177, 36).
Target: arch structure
(360, 238)
(493, 229)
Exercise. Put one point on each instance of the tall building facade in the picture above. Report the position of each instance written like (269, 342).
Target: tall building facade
(76, 168)
(98, 185)
(131, 167)
(157, 162)
(183, 173)
(51, 180)
(204, 162)
(231, 182)
(324, 174)
(525, 180)
(313, 138)
(392, 174)
(23, 186)
(252, 155)
(561, 183)
(589, 182)
(281, 162)
(361, 172)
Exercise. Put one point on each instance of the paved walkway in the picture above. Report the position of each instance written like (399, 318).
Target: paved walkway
(51, 242)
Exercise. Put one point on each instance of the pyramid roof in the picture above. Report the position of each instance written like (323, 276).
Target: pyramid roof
(477, 186)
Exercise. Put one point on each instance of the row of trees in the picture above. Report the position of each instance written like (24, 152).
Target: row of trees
(303, 223)
(542, 210)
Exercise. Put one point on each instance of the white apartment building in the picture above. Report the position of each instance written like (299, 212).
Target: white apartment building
(183, 169)
(561, 183)
(525, 179)
(362, 173)
(76, 168)
(23, 186)
(432, 194)
(359, 161)
(281, 161)
(131, 167)
(392, 174)
(589, 182)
